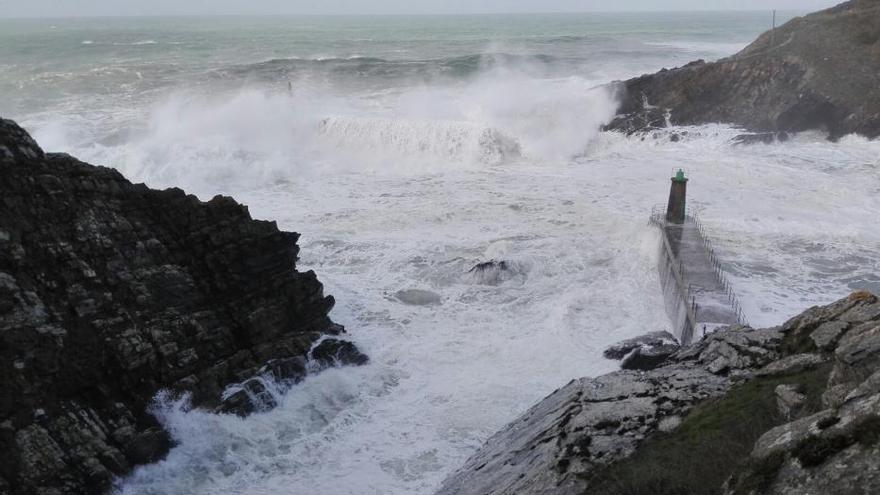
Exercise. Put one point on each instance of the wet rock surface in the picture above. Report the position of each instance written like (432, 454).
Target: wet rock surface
(592, 423)
(645, 352)
(650, 340)
(788, 80)
(494, 272)
(109, 292)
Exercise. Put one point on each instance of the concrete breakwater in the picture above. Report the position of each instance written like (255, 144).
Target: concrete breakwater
(699, 298)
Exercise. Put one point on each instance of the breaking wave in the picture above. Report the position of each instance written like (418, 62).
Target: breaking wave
(459, 141)
(381, 69)
(260, 135)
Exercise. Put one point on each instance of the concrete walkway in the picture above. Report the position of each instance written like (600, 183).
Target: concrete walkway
(712, 305)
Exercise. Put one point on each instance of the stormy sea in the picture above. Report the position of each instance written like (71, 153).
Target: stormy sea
(407, 150)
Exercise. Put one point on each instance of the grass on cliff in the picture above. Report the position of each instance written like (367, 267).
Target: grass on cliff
(712, 442)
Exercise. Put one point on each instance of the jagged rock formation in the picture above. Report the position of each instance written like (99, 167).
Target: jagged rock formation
(570, 441)
(820, 71)
(109, 292)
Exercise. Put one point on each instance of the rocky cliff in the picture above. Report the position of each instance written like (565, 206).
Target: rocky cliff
(820, 71)
(784, 410)
(109, 292)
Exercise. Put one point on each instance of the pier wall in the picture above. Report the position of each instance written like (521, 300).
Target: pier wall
(697, 293)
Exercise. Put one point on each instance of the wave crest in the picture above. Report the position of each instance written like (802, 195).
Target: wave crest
(459, 141)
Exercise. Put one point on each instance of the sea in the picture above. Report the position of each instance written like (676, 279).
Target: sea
(408, 149)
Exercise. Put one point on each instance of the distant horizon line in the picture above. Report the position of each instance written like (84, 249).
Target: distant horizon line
(448, 14)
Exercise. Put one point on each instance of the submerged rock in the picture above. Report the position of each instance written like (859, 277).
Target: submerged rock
(111, 291)
(335, 352)
(494, 272)
(418, 297)
(820, 71)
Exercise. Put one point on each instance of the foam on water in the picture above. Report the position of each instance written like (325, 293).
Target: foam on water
(445, 376)
(402, 179)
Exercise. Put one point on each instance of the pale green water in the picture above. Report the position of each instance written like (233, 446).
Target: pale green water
(70, 64)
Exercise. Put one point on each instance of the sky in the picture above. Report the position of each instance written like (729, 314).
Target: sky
(65, 8)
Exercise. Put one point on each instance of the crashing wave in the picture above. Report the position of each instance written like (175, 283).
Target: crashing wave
(458, 141)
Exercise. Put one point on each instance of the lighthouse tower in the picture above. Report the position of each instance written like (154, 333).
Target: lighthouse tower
(675, 211)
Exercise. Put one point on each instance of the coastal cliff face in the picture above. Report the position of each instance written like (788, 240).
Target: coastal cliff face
(790, 409)
(109, 292)
(820, 71)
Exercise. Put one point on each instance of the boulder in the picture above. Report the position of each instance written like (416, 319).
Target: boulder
(648, 357)
(650, 340)
(493, 272)
(335, 352)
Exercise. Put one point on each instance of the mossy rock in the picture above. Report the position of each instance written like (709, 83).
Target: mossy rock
(712, 443)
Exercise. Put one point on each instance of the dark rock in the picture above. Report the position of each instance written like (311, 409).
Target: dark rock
(653, 339)
(335, 352)
(253, 395)
(494, 272)
(815, 72)
(112, 291)
(290, 369)
(147, 446)
(258, 393)
(489, 265)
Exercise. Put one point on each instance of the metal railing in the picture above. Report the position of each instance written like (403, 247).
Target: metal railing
(684, 290)
(718, 268)
(682, 310)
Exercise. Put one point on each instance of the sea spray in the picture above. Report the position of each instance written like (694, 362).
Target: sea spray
(236, 107)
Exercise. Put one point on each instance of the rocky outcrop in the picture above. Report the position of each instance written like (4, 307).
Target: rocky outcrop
(109, 292)
(565, 443)
(820, 71)
(836, 450)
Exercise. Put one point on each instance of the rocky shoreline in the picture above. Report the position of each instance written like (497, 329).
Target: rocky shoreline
(820, 71)
(111, 291)
(700, 415)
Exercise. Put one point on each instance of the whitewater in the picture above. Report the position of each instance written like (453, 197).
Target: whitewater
(406, 150)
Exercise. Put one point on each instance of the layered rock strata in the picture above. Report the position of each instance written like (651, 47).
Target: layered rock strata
(559, 445)
(111, 291)
(820, 71)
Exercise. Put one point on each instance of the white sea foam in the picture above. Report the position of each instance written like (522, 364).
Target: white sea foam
(458, 141)
(390, 184)
(445, 376)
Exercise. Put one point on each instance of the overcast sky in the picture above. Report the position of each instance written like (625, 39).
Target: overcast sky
(63, 8)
